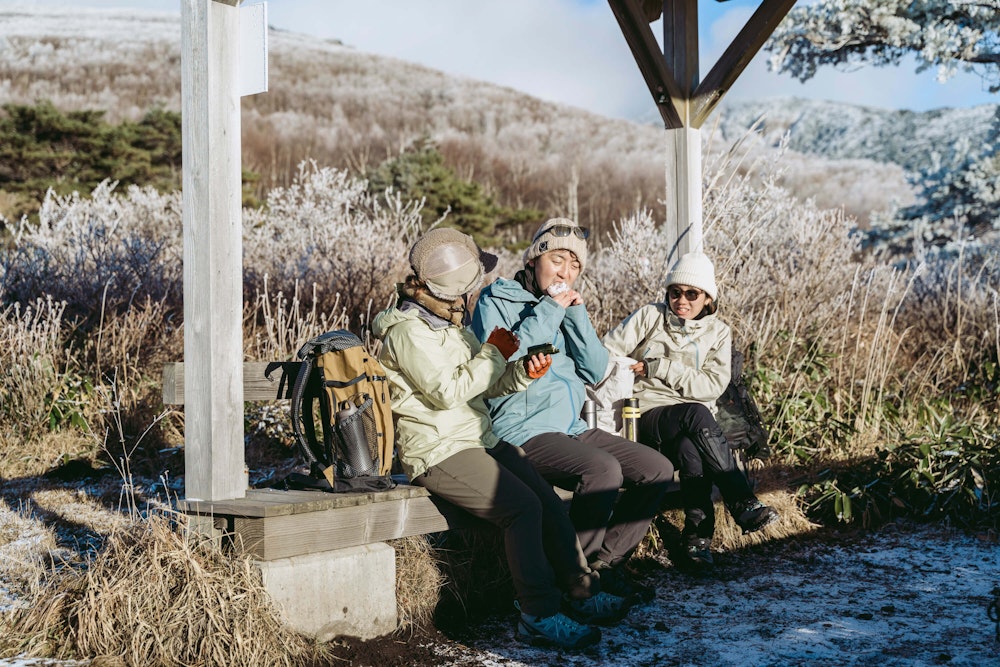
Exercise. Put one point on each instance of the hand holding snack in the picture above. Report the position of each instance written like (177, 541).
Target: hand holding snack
(556, 288)
(537, 365)
(505, 341)
(567, 298)
(563, 294)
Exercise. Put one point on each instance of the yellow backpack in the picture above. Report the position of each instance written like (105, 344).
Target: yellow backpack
(349, 388)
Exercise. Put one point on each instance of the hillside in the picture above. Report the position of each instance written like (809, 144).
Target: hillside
(843, 131)
(351, 109)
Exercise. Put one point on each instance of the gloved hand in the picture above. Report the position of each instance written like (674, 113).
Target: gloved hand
(537, 365)
(505, 341)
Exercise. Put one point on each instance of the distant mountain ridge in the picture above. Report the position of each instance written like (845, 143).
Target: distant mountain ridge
(351, 109)
(843, 131)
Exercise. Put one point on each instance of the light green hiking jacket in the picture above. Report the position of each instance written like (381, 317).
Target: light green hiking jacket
(438, 374)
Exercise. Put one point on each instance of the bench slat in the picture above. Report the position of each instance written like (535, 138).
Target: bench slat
(256, 385)
(271, 524)
(260, 503)
(312, 532)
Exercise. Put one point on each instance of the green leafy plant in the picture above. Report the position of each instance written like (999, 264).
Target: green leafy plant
(948, 470)
(67, 403)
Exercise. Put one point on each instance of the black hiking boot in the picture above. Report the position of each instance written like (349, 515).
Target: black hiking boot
(698, 553)
(617, 580)
(751, 515)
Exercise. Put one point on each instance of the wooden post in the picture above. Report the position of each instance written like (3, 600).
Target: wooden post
(683, 224)
(214, 464)
(683, 146)
(682, 99)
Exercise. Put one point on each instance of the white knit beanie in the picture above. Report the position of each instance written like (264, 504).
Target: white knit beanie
(544, 241)
(694, 269)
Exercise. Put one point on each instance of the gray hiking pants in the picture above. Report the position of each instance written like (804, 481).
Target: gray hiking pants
(500, 486)
(595, 465)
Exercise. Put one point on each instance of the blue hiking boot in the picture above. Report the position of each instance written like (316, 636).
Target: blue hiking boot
(556, 631)
(617, 581)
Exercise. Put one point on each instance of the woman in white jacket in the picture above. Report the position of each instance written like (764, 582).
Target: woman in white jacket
(683, 356)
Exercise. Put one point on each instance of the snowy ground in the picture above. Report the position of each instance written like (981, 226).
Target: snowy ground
(913, 596)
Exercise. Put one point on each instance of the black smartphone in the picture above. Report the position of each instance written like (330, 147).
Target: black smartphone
(544, 348)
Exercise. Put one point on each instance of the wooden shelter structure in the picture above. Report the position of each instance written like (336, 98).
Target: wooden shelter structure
(683, 98)
(213, 300)
(215, 474)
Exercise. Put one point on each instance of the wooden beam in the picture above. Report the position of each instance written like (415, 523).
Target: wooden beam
(735, 59)
(666, 93)
(680, 50)
(214, 464)
(262, 381)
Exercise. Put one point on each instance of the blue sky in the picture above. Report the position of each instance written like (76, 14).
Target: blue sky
(570, 51)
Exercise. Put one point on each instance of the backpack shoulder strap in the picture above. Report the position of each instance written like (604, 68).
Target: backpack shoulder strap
(305, 435)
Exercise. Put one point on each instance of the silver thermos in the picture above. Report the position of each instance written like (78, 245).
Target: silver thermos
(590, 413)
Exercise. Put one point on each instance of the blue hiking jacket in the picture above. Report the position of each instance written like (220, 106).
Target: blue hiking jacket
(551, 404)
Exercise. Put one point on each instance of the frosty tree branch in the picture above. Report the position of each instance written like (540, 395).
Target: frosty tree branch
(947, 34)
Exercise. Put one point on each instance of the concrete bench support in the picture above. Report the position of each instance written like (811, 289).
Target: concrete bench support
(319, 593)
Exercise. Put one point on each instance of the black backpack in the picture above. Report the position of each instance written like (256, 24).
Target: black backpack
(341, 381)
(739, 417)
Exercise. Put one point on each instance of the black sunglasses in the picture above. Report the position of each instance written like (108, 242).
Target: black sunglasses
(564, 230)
(690, 294)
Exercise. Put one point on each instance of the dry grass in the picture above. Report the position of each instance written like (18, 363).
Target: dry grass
(151, 598)
(25, 546)
(419, 580)
(772, 489)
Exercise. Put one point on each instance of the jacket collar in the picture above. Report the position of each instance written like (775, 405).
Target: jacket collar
(671, 321)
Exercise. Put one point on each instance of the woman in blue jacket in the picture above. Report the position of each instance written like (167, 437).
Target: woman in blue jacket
(540, 306)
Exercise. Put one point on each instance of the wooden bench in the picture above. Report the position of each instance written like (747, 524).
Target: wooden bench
(310, 542)
(272, 524)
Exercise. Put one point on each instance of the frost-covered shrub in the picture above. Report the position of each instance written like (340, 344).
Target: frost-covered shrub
(775, 256)
(325, 230)
(628, 272)
(959, 209)
(952, 318)
(97, 254)
(35, 365)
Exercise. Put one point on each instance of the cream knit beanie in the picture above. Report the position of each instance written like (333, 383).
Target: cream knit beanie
(696, 270)
(545, 240)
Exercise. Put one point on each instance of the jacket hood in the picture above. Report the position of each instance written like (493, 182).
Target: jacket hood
(389, 318)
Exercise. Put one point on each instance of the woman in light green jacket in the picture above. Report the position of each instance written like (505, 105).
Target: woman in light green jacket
(683, 359)
(438, 374)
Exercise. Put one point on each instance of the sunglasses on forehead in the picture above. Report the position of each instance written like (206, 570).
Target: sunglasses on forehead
(690, 294)
(564, 230)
